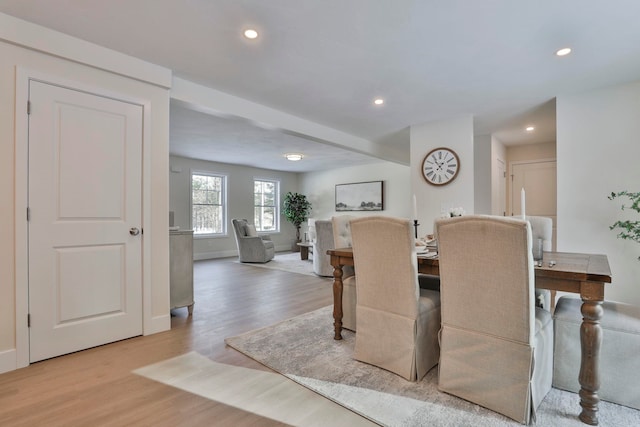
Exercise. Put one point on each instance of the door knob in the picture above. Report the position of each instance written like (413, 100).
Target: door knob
(134, 231)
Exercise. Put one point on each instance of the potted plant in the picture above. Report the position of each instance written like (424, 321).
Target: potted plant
(296, 211)
(628, 229)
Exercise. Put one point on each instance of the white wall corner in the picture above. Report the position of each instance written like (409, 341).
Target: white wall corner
(158, 324)
(8, 361)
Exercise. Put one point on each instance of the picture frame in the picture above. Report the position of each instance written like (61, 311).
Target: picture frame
(360, 196)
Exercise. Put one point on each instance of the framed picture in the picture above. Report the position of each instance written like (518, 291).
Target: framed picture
(360, 196)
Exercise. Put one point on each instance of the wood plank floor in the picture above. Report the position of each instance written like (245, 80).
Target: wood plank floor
(96, 387)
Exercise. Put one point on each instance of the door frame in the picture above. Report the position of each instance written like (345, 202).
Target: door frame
(21, 181)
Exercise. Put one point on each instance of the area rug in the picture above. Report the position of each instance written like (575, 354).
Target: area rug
(303, 349)
(267, 394)
(291, 262)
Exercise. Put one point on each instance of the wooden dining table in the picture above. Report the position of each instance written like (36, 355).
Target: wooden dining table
(583, 274)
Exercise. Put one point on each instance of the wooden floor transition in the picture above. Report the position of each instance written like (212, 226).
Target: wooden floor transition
(96, 387)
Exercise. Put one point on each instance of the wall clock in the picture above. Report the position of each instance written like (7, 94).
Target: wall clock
(440, 166)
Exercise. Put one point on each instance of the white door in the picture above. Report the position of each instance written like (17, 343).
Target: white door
(539, 182)
(85, 194)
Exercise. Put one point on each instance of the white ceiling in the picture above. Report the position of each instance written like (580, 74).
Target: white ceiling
(325, 60)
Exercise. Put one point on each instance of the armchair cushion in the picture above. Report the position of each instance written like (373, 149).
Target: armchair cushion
(250, 230)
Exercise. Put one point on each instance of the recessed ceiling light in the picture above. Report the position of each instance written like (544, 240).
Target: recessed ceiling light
(530, 128)
(378, 101)
(564, 51)
(250, 33)
(294, 157)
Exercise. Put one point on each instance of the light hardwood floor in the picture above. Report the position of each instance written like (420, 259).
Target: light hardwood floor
(96, 387)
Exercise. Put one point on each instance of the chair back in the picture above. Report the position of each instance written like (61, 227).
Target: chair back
(385, 259)
(323, 242)
(342, 230)
(239, 227)
(542, 228)
(484, 259)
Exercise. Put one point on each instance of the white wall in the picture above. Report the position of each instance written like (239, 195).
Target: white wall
(15, 38)
(456, 134)
(482, 174)
(239, 203)
(320, 188)
(598, 152)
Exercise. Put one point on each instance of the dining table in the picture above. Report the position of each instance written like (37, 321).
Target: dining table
(578, 273)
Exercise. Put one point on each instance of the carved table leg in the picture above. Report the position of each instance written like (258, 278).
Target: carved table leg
(337, 301)
(590, 341)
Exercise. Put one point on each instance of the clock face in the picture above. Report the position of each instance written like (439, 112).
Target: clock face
(440, 166)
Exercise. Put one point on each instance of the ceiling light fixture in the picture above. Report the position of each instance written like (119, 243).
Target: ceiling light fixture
(564, 51)
(530, 128)
(294, 157)
(378, 101)
(250, 34)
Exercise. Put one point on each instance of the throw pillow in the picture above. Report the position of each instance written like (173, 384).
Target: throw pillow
(250, 230)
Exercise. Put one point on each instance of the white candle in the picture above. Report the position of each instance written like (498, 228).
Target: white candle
(415, 207)
(522, 203)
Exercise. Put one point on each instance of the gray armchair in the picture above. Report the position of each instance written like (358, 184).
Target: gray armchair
(323, 242)
(251, 247)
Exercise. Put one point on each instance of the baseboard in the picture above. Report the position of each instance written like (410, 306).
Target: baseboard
(158, 324)
(232, 253)
(8, 361)
(215, 254)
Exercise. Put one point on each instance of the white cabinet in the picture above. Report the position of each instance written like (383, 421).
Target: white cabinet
(181, 269)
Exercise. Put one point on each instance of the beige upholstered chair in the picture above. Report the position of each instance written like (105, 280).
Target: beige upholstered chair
(323, 242)
(498, 357)
(542, 228)
(251, 247)
(398, 322)
(342, 239)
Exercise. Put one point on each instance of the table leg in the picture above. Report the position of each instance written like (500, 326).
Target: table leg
(590, 341)
(337, 302)
(304, 252)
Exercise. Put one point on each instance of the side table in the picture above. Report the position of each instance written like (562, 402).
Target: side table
(305, 248)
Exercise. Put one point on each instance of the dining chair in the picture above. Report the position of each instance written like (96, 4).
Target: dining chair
(499, 356)
(542, 228)
(398, 322)
(342, 239)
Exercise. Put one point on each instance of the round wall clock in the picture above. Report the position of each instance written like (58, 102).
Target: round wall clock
(440, 166)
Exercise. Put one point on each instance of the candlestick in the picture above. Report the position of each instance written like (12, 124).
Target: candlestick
(415, 225)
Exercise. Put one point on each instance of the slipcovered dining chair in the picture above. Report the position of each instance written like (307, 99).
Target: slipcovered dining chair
(342, 239)
(497, 357)
(251, 247)
(542, 228)
(398, 322)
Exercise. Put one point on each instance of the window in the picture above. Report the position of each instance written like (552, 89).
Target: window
(266, 202)
(208, 203)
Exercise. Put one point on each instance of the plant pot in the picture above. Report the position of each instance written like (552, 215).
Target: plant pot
(295, 247)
